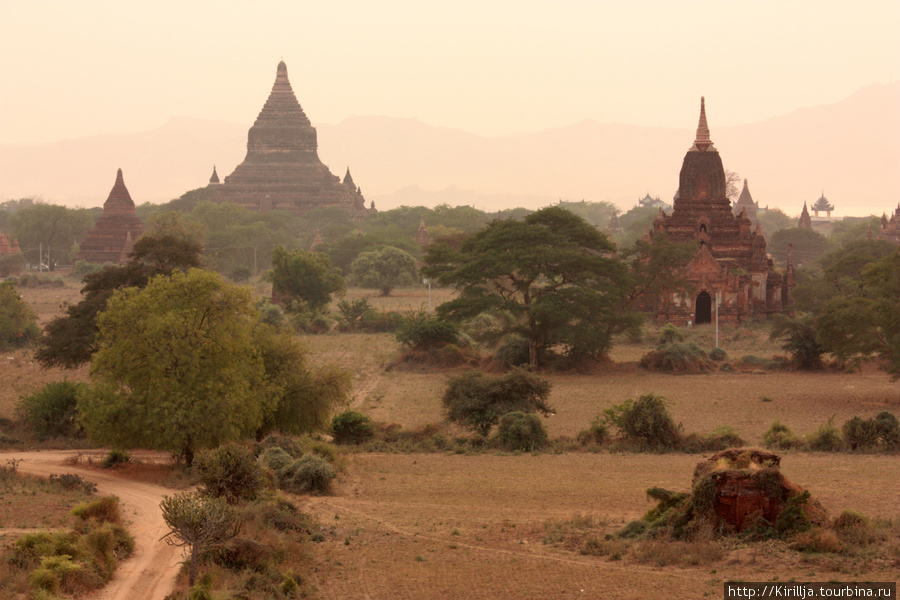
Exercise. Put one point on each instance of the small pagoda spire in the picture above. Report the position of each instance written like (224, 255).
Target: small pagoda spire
(805, 220)
(317, 241)
(422, 234)
(703, 141)
(348, 180)
(215, 176)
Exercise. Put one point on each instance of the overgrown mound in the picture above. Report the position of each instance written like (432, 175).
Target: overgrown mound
(738, 490)
(673, 355)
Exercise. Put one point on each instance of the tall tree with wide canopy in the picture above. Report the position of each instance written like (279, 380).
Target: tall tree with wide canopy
(177, 368)
(552, 271)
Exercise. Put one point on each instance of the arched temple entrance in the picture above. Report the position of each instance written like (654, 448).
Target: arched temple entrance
(703, 312)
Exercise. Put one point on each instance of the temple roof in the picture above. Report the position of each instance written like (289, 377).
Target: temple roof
(703, 142)
(282, 103)
(119, 200)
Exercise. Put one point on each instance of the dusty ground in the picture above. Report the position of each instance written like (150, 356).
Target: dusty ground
(435, 526)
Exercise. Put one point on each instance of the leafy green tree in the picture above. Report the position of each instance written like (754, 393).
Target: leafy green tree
(176, 367)
(199, 522)
(385, 269)
(50, 228)
(800, 339)
(17, 320)
(866, 323)
(304, 395)
(809, 245)
(304, 278)
(553, 272)
(477, 402)
(70, 340)
(774, 219)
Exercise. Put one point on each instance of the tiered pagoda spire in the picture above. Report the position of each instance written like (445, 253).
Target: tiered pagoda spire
(115, 230)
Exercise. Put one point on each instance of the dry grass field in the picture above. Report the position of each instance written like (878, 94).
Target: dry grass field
(476, 526)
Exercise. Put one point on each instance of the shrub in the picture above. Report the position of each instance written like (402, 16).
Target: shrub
(677, 357)
(241, 274)
(670, 334)
(882, 430)
(849, 518)
(354, 313)
(105, 510)
(275, 458)
(310, 474)
(596, 434)
(422, 331)
(521, 431)
(229, 472)
(826, 439)
(477, 402)
(115, 457)
(513, 351)
(646, 421)
(817, 540)
(718, 354)
(351, 427)
(69, 481)
(780, 436)
(52, 412)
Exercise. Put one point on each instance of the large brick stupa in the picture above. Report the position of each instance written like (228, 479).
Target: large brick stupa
(282, 170)
(731, 259)
(118, 227)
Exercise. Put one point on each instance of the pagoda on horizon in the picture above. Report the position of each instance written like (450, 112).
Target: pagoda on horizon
(282, 170)
(113, 236)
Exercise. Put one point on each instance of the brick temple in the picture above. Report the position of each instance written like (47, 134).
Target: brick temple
(282, 170)
(731, 259)
(112, 238)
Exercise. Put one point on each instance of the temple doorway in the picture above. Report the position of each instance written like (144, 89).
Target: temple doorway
(703, 312)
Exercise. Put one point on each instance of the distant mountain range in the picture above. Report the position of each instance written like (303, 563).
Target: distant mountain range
(850, 150)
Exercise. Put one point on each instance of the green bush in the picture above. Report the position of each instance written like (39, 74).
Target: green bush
(478, 402)
(718, 354)
(646, 421)
(513, 351)
(521, 431)
(104, 510)
(881, 431)
(423, 331)
(351, 427)
(780, 436)
(52, 412)
(115, 457)
(275, 458)
(230, 472)
(670, 334)
(310, 474)
(241, 274)
(677, 357)
(596, 434)
(354, 313)
(826, 439)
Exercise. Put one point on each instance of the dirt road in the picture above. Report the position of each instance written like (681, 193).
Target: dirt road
(150, 572)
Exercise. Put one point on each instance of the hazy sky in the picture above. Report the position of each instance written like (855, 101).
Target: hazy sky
(74, 68)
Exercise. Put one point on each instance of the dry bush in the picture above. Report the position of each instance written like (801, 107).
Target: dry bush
(817, 540)
(678, 357)
(662, 553)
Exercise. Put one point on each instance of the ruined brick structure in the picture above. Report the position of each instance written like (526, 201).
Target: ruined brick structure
(805, 219)
(8, 248)
(112, 238)
(745, 203)
(890, 228)
(731, 259)
(422, 238)
(282, 170)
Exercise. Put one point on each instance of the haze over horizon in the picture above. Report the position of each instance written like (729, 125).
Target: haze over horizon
(72, 70)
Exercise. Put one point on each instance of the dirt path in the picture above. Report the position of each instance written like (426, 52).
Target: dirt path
(150, 572)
